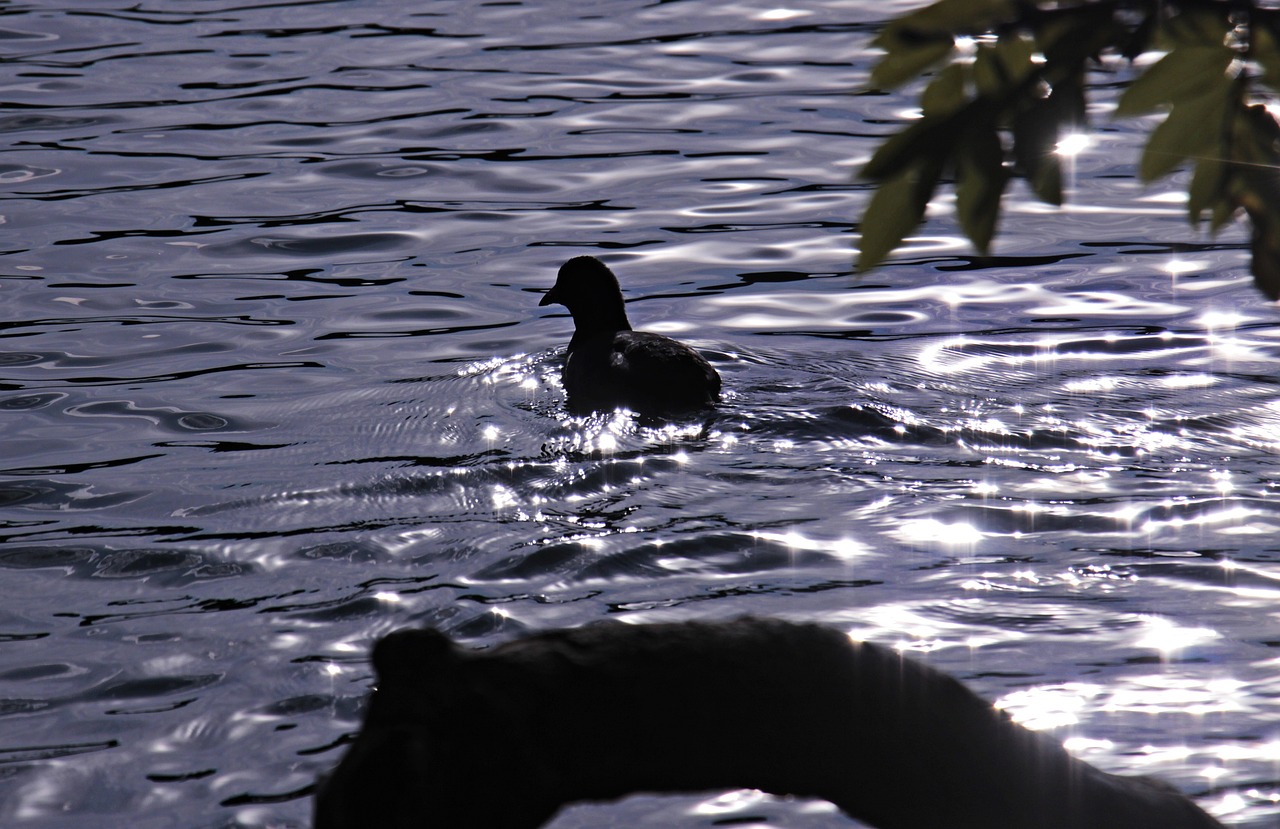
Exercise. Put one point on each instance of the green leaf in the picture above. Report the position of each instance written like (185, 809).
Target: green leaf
(988, 74)
(918, 40)
(1208, 186)
(1067, 103)
(1036, 129)
(1183, 74)
(1265, 247)
(930, 137)
(895, 210)
(980, 182)
(1224, 211)
(1015, 53)
(1192, 128)
(1047, 181)
(903, 62)
(1000, 67)
(1264, 47)
(1067, 36)
(945, 93)
(955, 16)
(1204, 26)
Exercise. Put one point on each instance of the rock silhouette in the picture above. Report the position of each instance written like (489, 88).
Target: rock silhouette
(502, 738)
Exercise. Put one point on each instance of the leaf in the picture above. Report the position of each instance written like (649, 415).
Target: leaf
(895, 210)
(903, 62)
(1208, 186)
(1265, 246)
(1223, 212)
(918, 40)
(1067, 103)
(929, 137)
(1015, 53)
(945, 93)
(988, 74)
(1204, 26)
(1047, 181)
(951, 17)
(1183, 74)
(1069, 35)
(1036, 129)
(981, 181)
(998, 69)
(1191, 129)
(1264, 47)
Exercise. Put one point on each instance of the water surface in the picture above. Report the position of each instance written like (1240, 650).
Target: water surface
(274, 382)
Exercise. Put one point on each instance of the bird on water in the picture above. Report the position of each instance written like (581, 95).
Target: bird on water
(609, 366)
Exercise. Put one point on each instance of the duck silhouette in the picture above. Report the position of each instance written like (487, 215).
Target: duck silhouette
(609, 365)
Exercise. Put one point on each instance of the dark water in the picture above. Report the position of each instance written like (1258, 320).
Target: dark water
(273, 382)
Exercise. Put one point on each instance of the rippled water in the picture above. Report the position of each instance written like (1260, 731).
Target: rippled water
(273, 382)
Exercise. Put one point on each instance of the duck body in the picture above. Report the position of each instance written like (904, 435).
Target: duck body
(609, 365)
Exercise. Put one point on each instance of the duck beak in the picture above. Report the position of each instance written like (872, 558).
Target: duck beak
(549, 298)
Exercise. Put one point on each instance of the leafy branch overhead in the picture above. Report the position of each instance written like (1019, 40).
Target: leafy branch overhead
(1006, 81)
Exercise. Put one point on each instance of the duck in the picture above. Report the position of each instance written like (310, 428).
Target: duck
(609, 365)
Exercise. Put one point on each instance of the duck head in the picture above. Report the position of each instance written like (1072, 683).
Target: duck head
(590, 291)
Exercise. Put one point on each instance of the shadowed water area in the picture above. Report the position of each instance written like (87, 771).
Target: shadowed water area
(274, 382)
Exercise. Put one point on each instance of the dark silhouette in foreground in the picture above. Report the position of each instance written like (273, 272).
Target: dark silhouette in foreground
(610, 366)
(501, 739)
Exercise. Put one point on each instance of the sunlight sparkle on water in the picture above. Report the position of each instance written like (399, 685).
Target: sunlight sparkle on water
(734, 801)
(782, 14)
(1128, 513)
(1174, 267)
(502, 497)
(1231, 802)
(285, 641)
(1188, 381)
(1168, 637)
(1073, 144)
(845, 549)
(1218, 320)
(1235, 520)
(1080, 745)
(1212, 772)
(939, 532)
(1090, 385)
(1065, 704)
(1049, 706)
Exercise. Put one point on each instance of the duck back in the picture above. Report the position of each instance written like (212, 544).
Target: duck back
(638, 370)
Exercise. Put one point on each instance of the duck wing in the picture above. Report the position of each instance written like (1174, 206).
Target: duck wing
(641, 371)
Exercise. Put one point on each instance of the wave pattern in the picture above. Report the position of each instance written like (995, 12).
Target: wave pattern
(273, 382)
